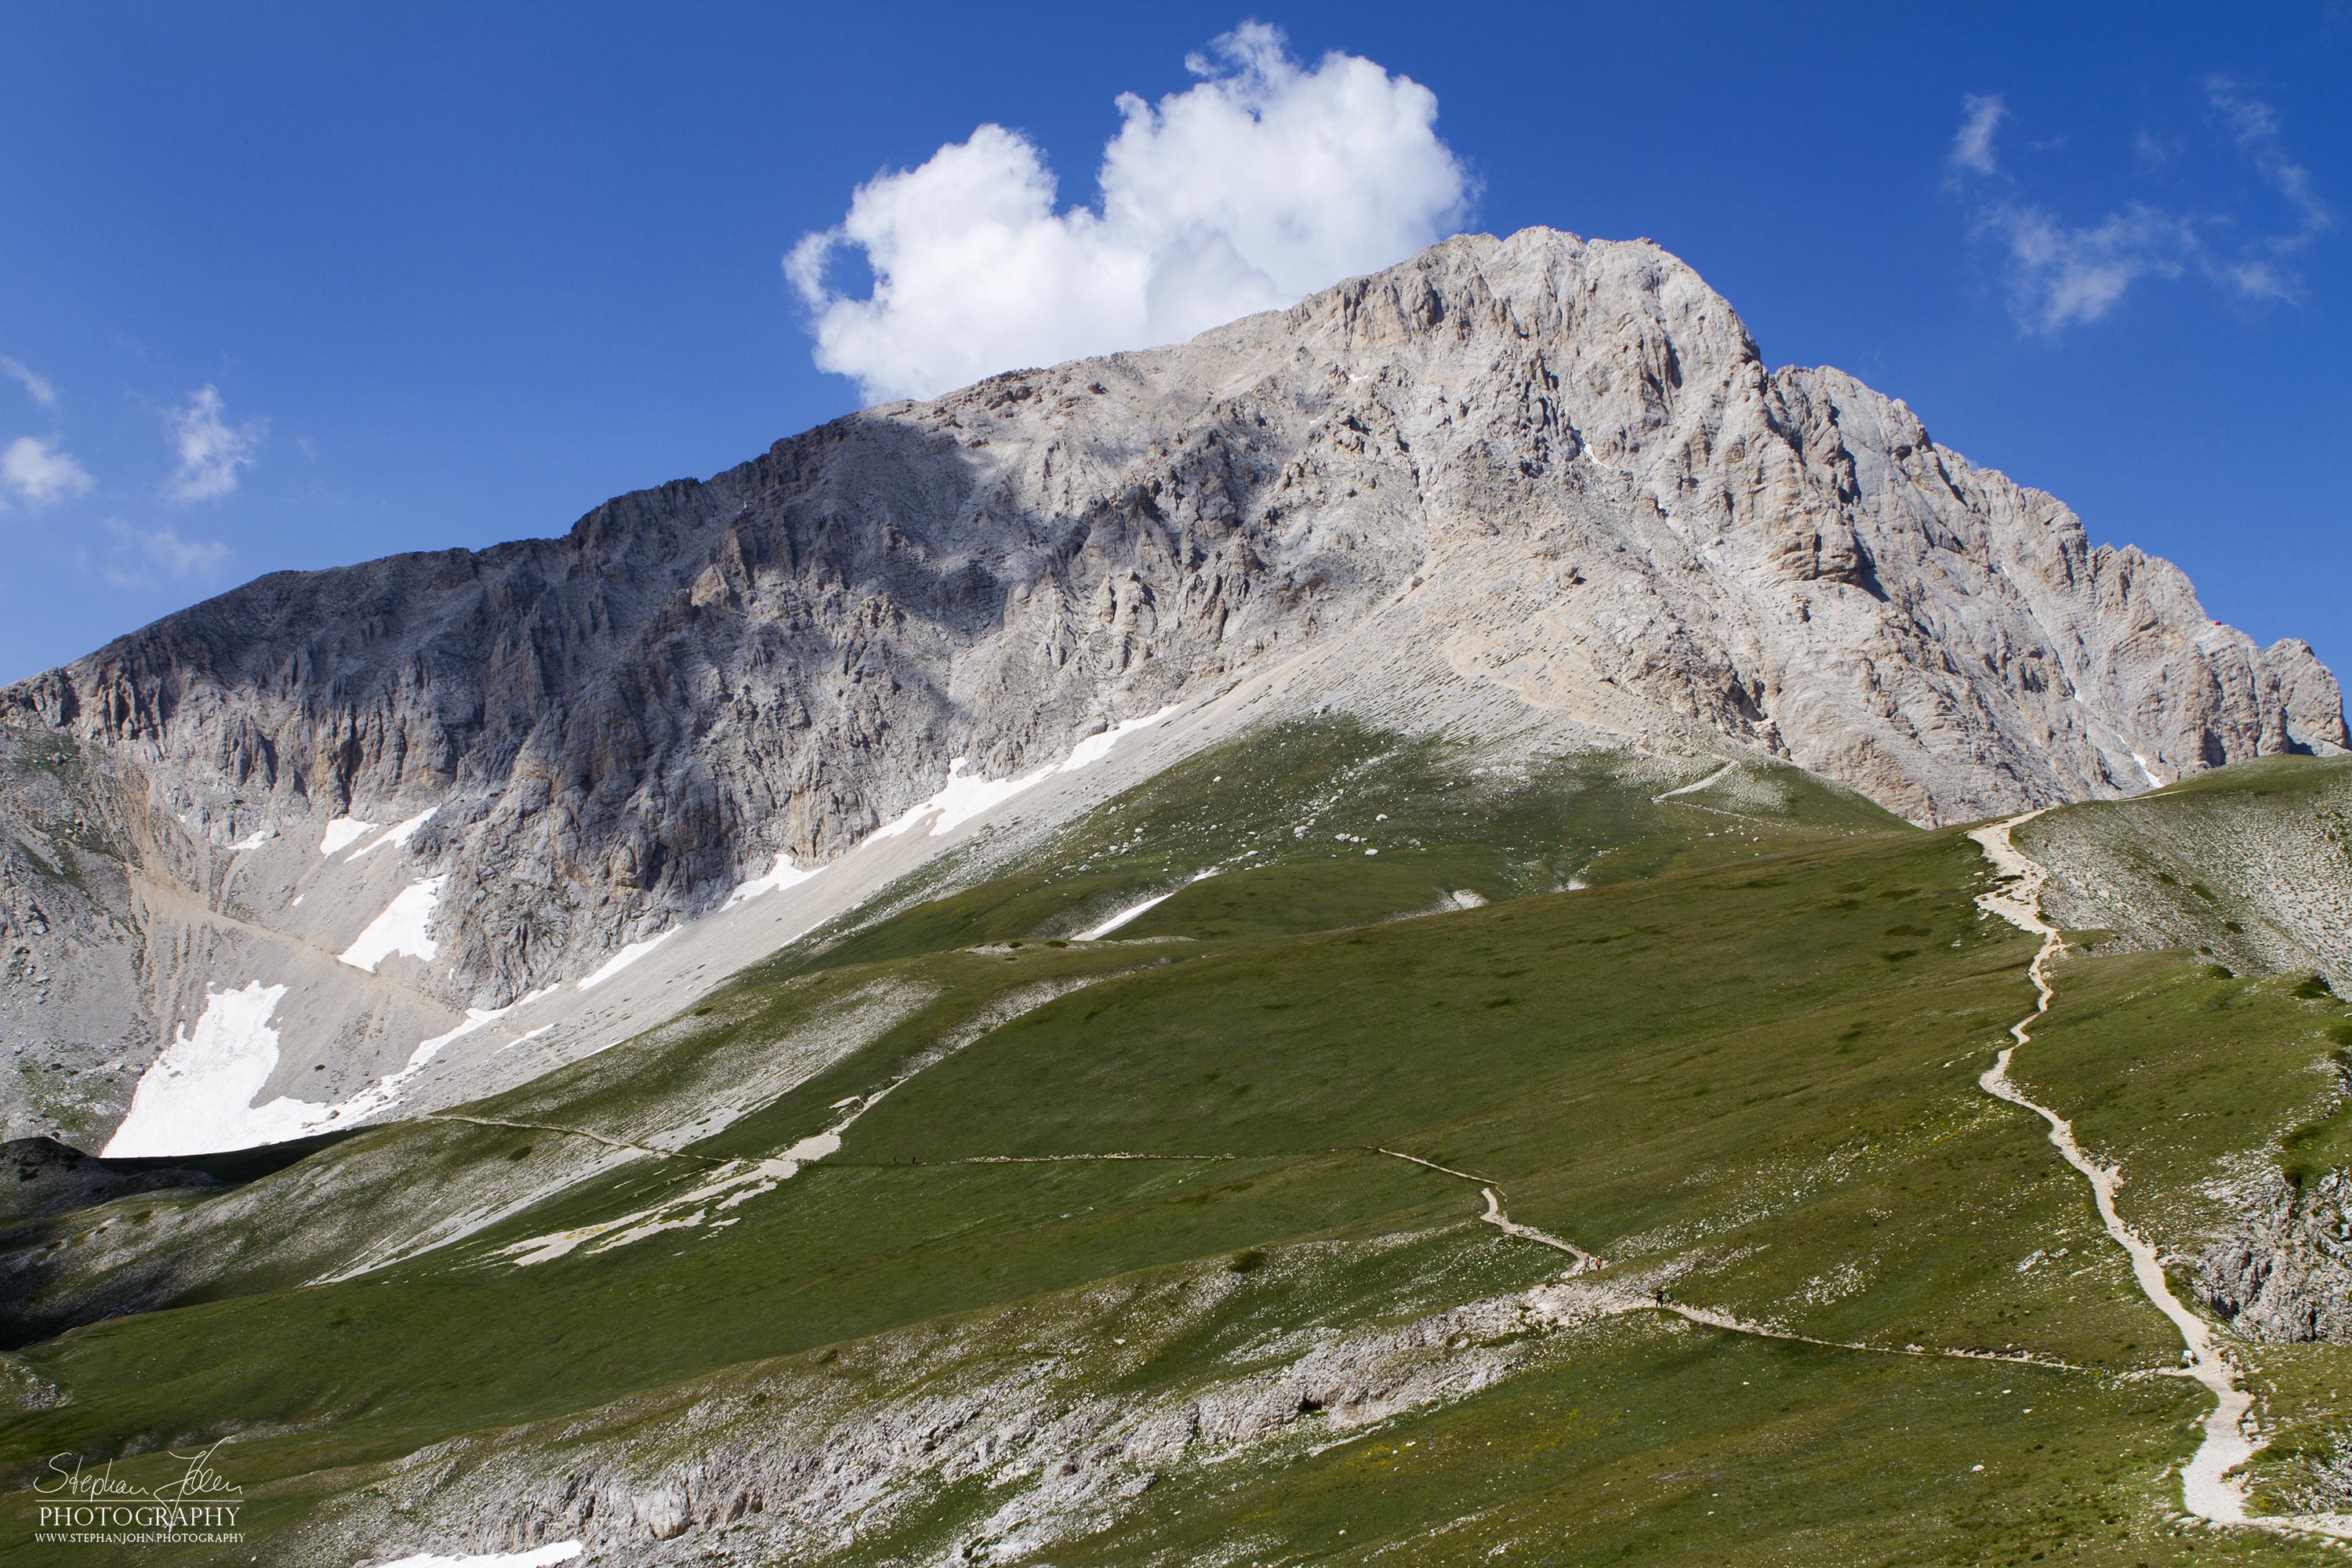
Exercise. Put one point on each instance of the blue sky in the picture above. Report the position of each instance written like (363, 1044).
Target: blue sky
(292, 286)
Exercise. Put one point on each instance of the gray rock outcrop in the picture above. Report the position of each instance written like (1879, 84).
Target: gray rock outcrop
(2284, 1273)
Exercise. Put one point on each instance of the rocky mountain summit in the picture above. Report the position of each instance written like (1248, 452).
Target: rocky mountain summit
(1555, 468)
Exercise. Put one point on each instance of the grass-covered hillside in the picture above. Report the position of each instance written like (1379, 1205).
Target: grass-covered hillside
(1640, 1205)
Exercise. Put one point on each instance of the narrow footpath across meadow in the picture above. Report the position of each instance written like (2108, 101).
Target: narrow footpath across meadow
(2207, 1489)
(590, 1133)
(1612, 1298)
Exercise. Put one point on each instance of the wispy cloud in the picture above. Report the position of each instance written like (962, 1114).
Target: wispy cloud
(2061, 273)
(41, 389)
(1972, 144)
(2254, 126)
(40, 472)
(141, 558)
(1264, 180)
(210, 449)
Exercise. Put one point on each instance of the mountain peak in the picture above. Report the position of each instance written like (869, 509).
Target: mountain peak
(1534, 480)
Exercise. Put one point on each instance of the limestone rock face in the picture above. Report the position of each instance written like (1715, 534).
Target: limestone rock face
(1559, 464)
(2282, 1272)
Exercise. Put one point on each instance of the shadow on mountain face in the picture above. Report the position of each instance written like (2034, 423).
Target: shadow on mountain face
(42, 1179)
(42, 1176)
(557, 697)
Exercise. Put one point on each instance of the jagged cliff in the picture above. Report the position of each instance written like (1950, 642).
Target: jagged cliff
(1561, 467)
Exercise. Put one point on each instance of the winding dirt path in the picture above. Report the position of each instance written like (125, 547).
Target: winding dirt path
(2206, 1489)
(1617, 1299)
(591, 1136)
(1067, 1159)
(1497, 1218)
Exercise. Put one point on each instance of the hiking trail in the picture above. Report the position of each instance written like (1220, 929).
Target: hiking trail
(2206, 1489)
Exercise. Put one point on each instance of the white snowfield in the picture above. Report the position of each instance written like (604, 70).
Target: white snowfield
(623, 959)
(1096, 747)
(781, 875)
(964, 797)
(1694, 787)
(342, 833)
(208, 1108)
(399, 836)
(961, 799)
(197, 1097)
(401, 928)
(1096, 932)
(537, 1557)
(384, 1093)
(737, 1182)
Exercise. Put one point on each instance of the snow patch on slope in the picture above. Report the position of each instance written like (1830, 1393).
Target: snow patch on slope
(401, 928)
(342, 833)
(1096, 933)
(401, 835)
(385, 1092)
(197, 1097)
(965, 797)
(537, 1557)
(1094, 748)
(736, 1182)
(783, 875)
(625, 957)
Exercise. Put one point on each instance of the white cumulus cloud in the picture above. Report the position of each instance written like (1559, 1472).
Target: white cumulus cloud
(36, 385)
(211, 450)
(39, 472)
(1264, 180)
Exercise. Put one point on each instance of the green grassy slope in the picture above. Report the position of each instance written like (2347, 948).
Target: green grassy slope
(1309, 824)
(1115, 1269)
